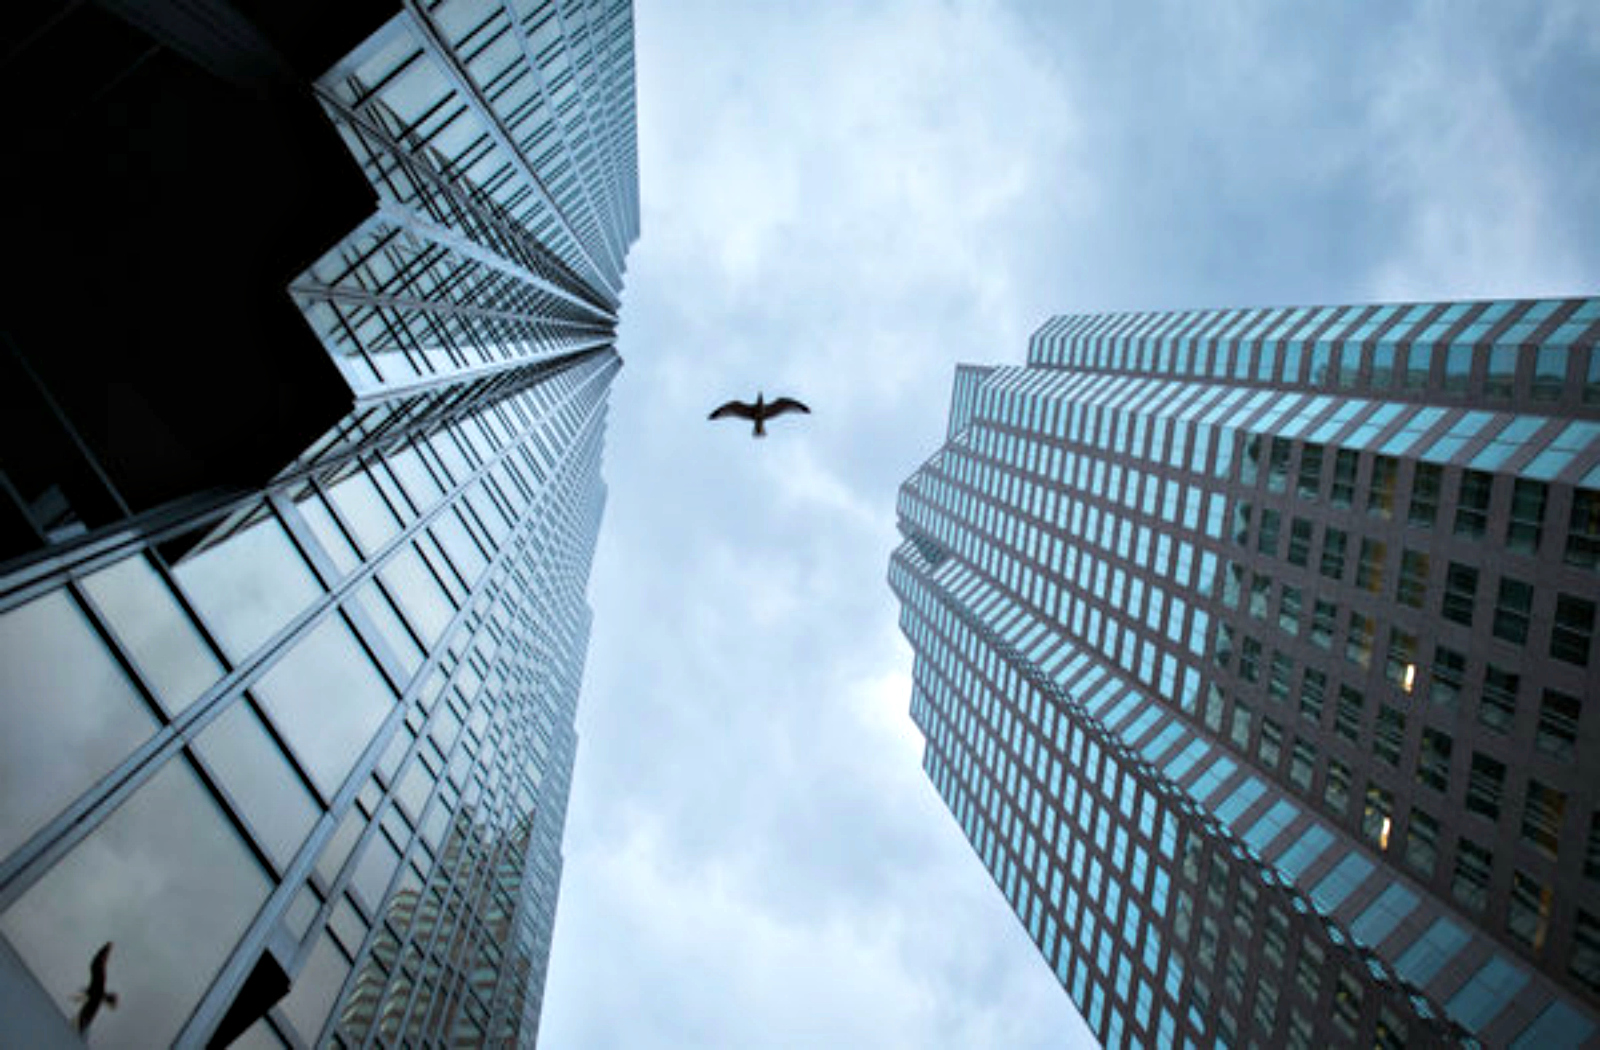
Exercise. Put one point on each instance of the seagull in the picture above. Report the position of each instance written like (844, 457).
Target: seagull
(761, 411)
(94, 995)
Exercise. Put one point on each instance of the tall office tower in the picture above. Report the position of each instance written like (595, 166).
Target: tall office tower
(1254, 650)
(308, 337)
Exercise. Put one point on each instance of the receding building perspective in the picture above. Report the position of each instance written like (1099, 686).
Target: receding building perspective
(1256, 656)
(308, 333)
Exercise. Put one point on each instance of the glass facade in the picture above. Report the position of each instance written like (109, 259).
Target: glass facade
(1252, 655)
(302, 753)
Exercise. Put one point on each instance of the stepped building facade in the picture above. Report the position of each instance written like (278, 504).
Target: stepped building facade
(1256, 656)
(305, 385)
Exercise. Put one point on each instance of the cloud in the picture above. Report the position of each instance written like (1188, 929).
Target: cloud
(841, 201)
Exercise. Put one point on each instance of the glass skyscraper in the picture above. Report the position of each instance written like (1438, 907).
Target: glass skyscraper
(305, 391)
(1256, 657)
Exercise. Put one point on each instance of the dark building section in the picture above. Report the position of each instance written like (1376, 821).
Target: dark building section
(1254, 652)
(171, 174)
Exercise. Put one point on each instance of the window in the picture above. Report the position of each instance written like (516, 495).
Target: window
(1278, 465)
(1333, 547)
(1573, 628)
(1413, 584)
(1433, 760)
(1584, 963)
(1347, 718)
(1549, 373)
(1344, 478)
(1377, 814)
(1250, 659)
(1267, 538)
(1472, 503)
(1470, 883)
(1422, 843)
(1278, 676)
(1380, 492)
(1457, 367)
(1310, 482)
(1425, 490)
(1527, 516)
(1583, 527)
(1542, 813)
(1369, 570)
(1324, 617)
(1260, 595)
(1558, 724)
(1497, 707)
(1313, 687)
(1270, 747)
(1485, 786)
(1512, 608)
(1400, 667)
(1300, 542)
(1449, 673)
(1289, 610)
(1240, 730)
(1336, 792)
(1358, 642)
(1389, 734)
(1302, 764)
(1250, 462)
(1528, 917)
(1460, 591)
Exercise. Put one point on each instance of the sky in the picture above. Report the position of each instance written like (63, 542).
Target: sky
(840, 202)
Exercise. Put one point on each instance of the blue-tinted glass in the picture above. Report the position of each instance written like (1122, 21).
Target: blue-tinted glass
(1240, 800)
(1431, 951)
(1306, 849)
(1337, 884)
(1482, 998)
(1559, 1025)
(1382, 916)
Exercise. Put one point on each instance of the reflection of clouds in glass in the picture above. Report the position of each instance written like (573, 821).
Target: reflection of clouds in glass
(152, 626)
(254, 771)
(370, 518)
(327, 699)
(70, 714)
(165, 879)
(248, 586)
(315, 989)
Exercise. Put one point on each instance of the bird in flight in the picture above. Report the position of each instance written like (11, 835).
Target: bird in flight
(760, 412)
(95, 995)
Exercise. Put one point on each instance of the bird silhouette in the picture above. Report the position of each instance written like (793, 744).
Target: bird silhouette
(760, 412)
(95, 995)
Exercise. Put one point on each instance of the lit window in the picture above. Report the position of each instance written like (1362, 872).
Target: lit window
(1542, 813)
(1369, 570)
(1377, 815)
(1400, 667)
(1528, 916)
(1380, 493)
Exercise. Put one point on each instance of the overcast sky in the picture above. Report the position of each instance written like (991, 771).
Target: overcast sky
(840, 202)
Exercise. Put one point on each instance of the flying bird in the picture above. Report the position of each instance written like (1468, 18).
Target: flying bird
(760, 412)
(93, 996)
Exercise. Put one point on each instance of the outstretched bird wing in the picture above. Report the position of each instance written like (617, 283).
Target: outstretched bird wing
(786, 404)
(734, 408)
(97, 970)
